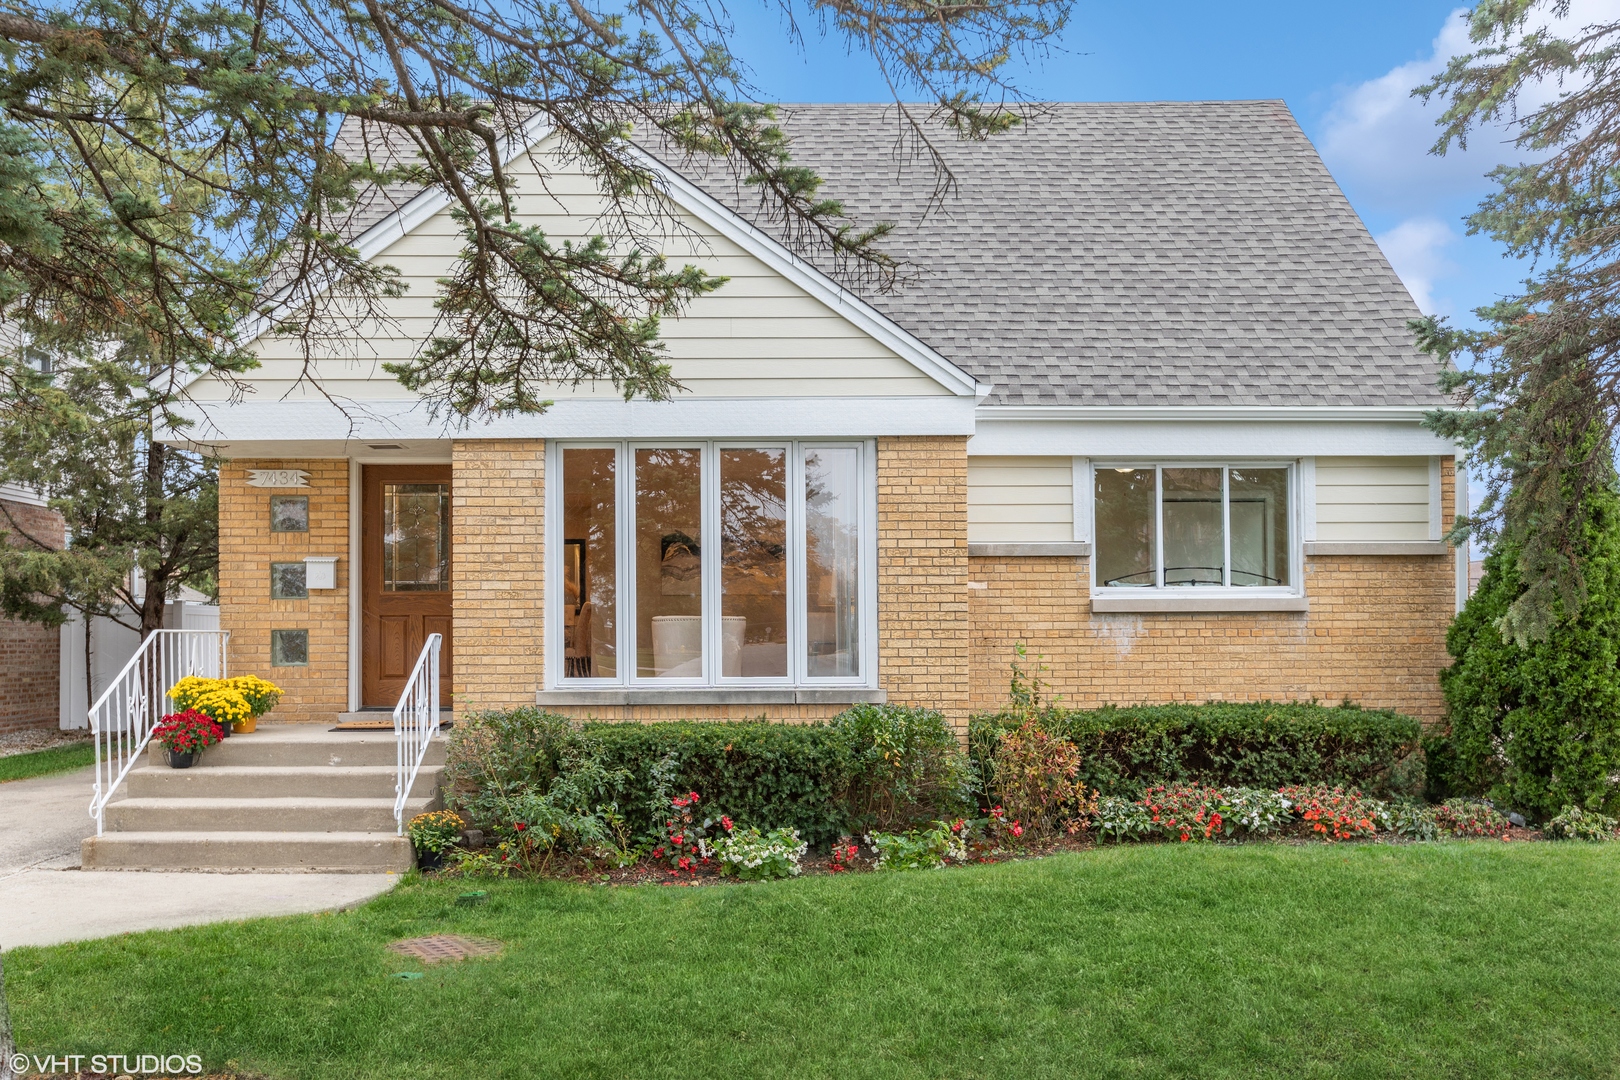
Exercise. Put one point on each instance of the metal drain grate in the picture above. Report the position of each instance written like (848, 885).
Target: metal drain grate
(442, 947)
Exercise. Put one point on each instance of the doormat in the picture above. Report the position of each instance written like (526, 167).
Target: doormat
(441, 947)
(380, 725)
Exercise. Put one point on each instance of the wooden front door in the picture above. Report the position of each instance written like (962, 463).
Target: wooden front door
(405, 570)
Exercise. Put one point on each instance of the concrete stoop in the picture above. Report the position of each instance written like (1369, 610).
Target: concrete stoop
(286, 797)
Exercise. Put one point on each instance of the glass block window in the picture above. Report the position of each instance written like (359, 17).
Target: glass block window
(288, 581)
(289, 648)
(289, 513)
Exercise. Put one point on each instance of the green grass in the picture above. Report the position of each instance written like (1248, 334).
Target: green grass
(1446, 960)
(45, 762)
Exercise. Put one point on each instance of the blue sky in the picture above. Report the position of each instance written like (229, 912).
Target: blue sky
(1345, 70)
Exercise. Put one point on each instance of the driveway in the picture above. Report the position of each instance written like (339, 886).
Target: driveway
(47, 899)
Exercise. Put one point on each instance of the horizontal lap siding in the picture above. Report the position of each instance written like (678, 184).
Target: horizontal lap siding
(1372, 499)
(1020, 500)
(758, 335)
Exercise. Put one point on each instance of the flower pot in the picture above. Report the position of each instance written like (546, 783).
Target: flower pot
(225, 731)
(429, 860)
(244, 726)
(181, 761)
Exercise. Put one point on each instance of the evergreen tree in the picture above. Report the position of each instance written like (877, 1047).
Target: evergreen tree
(1535, 725)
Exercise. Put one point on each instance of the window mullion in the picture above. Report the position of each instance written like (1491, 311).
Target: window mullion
(1158, 526)
(625, 633)
(1226, 527)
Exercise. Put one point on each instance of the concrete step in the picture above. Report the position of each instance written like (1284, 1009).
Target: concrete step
(345, 852)
(209, 780)
(288, 814)
(303, 745)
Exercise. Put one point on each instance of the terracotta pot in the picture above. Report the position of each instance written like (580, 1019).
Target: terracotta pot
(244, 726)
(181, 761)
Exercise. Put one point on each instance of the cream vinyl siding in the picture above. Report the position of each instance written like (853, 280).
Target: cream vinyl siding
(1020, 500)
(758, 335)
(1368, 500)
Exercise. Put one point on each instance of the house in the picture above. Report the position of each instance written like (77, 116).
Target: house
(30, 655)
(1148, 406)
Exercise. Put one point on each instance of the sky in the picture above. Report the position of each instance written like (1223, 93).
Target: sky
(1346, 70)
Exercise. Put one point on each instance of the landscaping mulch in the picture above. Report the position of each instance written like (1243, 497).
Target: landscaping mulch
(28, 740)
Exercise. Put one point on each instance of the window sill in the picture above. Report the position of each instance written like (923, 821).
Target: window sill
(1387, 547)
(711, 695)
(1013, 550)
(1158, 601)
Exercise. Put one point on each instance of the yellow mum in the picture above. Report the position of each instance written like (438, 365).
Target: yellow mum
(239, 698)
(261, 694)
(225, 704)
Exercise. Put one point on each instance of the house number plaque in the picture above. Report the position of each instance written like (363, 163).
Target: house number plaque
(278, 478)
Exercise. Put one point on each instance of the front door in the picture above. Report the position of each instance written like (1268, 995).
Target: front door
(405, 570)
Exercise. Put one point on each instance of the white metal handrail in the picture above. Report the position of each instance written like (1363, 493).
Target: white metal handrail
(416, 720)
(124, 715)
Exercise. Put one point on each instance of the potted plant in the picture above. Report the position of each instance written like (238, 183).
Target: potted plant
(261, 695)
(433, 834)
(235, 703)
(185, 735)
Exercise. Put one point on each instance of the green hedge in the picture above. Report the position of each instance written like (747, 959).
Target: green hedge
(768, 775)
(1263, 745)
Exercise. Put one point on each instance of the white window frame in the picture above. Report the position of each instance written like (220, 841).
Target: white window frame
(1296, 547)
(709, 510)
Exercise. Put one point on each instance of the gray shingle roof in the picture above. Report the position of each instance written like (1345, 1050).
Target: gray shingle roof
(1181, 253)
(1132, 254)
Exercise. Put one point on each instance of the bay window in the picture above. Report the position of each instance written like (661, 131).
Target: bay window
(742, 564)
(1193, 526)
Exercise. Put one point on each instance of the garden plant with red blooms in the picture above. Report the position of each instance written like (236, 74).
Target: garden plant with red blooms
(1335, 813)
(685, 841)
(188, 732)
(1184, 812)
(844, 856)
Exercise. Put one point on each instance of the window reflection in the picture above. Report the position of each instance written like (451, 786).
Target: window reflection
(753, 563)
(590, 563)
(832, 561)
(416, 537)
(669, 567)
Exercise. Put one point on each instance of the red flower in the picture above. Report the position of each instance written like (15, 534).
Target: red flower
(726, 822)
(520, 826)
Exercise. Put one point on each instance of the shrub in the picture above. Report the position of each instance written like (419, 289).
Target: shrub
(1335, 813)
(1125, 751)
(1412, 821)
(903, 765)
(1573, 823)
(1034, 778)
(188, 732)
(1470, 818)
(919, 849)
(435, 830)
(1536, 725)
(755, 856)
(535, 783)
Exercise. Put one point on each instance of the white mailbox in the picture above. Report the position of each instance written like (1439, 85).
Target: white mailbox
(320, 571)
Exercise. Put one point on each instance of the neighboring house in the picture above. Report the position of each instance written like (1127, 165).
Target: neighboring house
(30, 658)
(1149, 407)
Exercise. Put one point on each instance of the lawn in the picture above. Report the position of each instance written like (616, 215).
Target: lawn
(45, 762)
(1476, 959)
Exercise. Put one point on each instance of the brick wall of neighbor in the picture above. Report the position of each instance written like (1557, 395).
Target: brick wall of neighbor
(1375, 633)
(247, 547)
(498, 541)
(30, 654)
(923, 637)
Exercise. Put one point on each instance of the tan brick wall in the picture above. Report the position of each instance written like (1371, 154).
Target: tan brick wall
(498, 538)
(30, 654)
(1375, 633)
(923, 638)
(247, 547)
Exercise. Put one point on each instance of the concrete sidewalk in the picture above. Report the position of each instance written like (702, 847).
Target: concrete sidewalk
(46, 899)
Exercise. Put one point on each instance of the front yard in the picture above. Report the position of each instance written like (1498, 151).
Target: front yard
(1461, 959)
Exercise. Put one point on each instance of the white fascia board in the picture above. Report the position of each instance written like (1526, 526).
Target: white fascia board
(307, 422)
(852, 308)
(1205, 437)
(18, 494)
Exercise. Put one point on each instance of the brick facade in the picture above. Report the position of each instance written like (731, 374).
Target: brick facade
(923, 639)
(498, 516)
(1375, 632)
(30, 654)
(247, 547)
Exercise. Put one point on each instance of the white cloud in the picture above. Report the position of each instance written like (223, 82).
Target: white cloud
(1416, 249)
(1376, 136)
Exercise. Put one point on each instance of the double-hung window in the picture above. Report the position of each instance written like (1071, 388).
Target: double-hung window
(1194, 526)
(713, 564)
